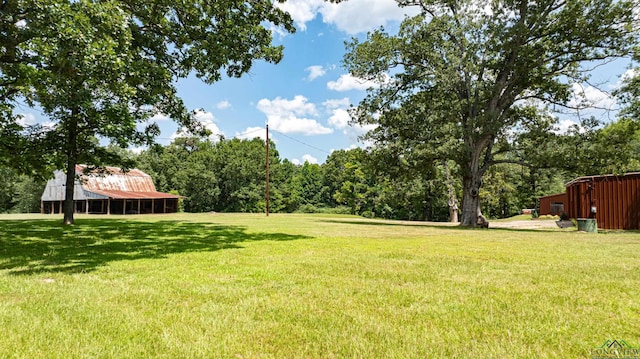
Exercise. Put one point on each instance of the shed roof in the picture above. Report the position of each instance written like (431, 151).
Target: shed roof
(555, 195)
(602, 177)
(114, 179)
(106, 182)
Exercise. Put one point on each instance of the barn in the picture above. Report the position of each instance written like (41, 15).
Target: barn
(613, 200)
(111, 191)
(553, 204)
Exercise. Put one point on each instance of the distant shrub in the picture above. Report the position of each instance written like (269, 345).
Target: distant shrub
(564, 216)
(309, 208)
(368, 214)
(338, 210)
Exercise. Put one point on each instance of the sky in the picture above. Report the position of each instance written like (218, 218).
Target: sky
(304, 98)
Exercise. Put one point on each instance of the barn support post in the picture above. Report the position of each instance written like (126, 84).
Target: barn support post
(164, 207)
(153, 206)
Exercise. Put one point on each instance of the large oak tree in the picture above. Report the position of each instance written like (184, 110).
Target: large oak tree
(102, 69)
(461, 78)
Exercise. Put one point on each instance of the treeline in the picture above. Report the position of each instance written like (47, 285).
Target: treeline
(230, 176)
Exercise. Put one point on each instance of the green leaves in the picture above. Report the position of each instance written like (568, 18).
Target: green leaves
(464, 71)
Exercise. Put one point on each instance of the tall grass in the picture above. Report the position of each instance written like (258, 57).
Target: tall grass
(305, 286)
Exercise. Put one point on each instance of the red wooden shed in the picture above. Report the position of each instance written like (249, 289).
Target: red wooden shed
(553, 204)
(613, 200)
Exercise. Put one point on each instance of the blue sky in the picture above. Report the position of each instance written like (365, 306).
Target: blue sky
(304, 98)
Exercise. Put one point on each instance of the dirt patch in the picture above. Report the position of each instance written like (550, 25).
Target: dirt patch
(526, 224)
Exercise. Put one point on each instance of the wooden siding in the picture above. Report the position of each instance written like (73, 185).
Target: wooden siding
(547, 201)
(616, 199)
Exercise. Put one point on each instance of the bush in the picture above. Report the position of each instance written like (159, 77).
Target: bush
(368, 214)
(309, 208)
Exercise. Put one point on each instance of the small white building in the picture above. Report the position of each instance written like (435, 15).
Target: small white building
(108, 192)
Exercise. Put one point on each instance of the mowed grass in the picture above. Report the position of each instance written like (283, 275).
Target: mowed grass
(309, 286)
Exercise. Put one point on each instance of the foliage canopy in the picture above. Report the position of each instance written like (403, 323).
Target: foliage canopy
(461, 79)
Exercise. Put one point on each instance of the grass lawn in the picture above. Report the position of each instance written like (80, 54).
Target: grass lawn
(309, 286)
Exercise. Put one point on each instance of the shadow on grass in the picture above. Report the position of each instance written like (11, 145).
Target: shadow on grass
(443, 226)
(45, 246)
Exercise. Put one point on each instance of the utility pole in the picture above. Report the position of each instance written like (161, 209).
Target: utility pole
(267, 170)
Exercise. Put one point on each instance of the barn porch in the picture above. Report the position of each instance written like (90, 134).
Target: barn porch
(115, 206)
(110, 191)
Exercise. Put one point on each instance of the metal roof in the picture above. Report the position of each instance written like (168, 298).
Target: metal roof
(115, 180)
(108, 182)
(601, 177)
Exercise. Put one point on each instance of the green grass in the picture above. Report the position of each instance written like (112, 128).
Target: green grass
(309, 286)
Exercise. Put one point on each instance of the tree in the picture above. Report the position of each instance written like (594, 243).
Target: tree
(101, 69)
(307, 184)
(458, 78)
(629, 93)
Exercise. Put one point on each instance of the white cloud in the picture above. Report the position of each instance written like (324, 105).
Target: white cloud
(315, 71)
(252, 132)
(628, 75)
(138, 149)
(208, 121)
(223, 105)
(310, 159)
(589, 96)
(159, 117)
(337, 103)
(347, 82)
(50, 125)
(288, 116)
(305, 158)
(352, 17)
(564, 126)
(302, 11)
(26, 119)
(340, 119)
(356, 16)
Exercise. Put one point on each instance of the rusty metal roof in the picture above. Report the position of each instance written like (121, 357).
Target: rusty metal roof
(108, 182)
(601, 177)
(115, 180)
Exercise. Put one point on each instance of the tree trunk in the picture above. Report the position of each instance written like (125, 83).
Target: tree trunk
(471, 199)
(472, 181)
(452, 200)
(453, 213)
(68, 206)
(72, 159)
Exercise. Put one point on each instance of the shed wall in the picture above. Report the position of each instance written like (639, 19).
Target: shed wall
(616, 199)
(547, 201)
